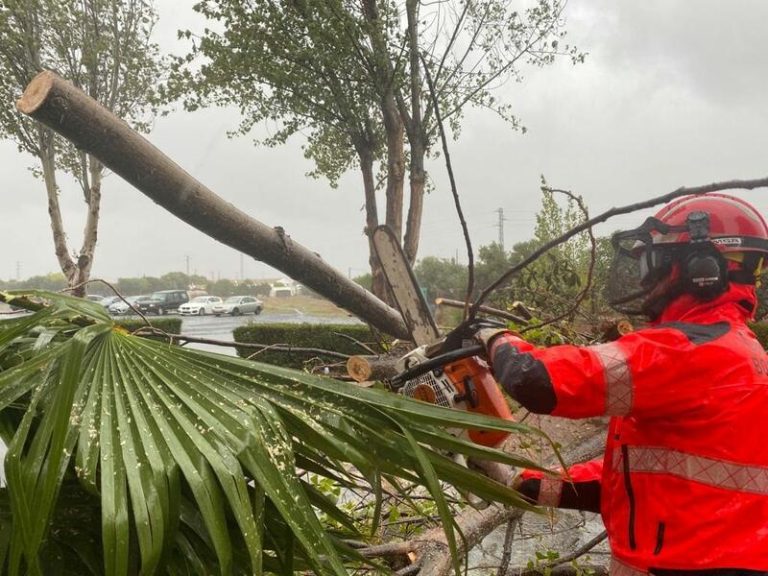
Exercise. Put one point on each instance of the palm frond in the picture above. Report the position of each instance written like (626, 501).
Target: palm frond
(185, 460)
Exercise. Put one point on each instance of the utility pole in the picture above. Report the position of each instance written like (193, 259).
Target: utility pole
(242, 277)
(186, 257)
(500, 226)
(18, 270)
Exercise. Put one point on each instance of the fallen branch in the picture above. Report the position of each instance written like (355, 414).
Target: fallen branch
(367, 368)
(92, 128)
(487, 310)
(578, 553)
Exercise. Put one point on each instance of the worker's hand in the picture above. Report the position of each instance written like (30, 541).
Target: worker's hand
(486, 335)
(468, 330)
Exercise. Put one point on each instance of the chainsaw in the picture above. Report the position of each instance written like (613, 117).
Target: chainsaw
(448, 372)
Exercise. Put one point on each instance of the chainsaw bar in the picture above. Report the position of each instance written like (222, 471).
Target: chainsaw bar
(408, 296)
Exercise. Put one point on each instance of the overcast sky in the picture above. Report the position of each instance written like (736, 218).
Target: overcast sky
(672, 93)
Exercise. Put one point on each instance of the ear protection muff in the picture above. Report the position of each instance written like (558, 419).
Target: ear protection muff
(704, 271)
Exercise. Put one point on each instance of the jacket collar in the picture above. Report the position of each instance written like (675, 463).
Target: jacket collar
(738, 303)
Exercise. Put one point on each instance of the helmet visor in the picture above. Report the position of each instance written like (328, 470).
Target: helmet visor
(638, 265)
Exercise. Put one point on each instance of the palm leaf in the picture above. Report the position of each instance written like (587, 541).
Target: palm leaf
(189, 459)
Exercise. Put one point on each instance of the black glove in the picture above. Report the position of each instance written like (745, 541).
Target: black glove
(477, 330)
(485, 336)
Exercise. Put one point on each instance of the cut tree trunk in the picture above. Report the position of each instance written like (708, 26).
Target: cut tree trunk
(367, 368)
(59, 105)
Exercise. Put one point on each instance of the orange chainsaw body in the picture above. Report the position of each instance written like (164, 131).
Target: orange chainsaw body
(465, 384)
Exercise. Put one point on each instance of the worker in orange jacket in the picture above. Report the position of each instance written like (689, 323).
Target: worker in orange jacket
(683, 484)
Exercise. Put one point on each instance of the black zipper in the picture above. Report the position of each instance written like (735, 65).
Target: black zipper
(630, 496)
(659, 539)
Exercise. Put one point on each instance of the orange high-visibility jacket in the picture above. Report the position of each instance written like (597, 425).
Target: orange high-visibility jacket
(684, 480)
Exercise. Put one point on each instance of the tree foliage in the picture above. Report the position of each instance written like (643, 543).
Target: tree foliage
(351, 77)
(550, 285)
(104, 48)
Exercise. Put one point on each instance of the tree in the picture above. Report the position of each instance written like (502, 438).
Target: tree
(351, 76)
(103, 47)
(492, 260)
(441, 277)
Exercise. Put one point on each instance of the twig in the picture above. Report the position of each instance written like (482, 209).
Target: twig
(509, 537)
(578, 552)
(454, 190)
(683, 191)
(408, 570)
(362, 345)
(484, 309)
(389, 549)
(117, 293)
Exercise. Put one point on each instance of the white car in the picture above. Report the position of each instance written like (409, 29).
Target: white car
(199, 306)
(236, 305)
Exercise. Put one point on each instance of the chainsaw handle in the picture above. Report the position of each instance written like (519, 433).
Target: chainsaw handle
(440, 360)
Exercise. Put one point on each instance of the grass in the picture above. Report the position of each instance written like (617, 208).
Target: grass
(311, 305)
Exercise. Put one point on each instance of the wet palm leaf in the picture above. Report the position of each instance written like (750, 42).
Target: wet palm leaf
(185, 462)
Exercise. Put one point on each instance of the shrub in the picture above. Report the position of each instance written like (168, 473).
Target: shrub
(170, 325)
(335, 337)
(761, 331)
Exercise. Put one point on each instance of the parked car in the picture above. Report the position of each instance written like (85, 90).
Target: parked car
(93, 297)
(107, 301)
(164, 302)
(118, 308)
(236, 305)
(199, 306)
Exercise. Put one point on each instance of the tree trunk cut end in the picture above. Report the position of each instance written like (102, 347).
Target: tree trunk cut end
(36, 92)
(359, 368)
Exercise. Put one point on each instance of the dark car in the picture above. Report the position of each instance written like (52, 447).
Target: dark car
(164, 302)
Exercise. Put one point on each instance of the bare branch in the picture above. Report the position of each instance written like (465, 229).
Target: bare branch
(682, 191)
(454, 191)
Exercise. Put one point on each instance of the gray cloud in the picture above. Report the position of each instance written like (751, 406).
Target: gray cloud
(671, 94)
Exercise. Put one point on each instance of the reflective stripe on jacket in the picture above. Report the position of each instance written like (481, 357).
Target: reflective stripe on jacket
(685, 475)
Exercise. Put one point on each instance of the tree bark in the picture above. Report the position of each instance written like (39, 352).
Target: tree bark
(47, 154)
(367, 368)
(415, 139)
(378, 281)
(393, 123)
(393, 126)
(91, 231)
(59, 105)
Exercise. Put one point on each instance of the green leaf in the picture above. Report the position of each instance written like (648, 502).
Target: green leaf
(189, 459)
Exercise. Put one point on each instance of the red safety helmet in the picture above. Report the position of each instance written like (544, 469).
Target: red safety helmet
(695, 244)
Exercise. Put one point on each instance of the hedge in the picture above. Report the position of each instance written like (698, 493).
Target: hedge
(319, 336)
(170, 325)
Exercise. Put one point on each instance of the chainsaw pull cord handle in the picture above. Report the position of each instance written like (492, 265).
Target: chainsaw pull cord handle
(441, 360)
